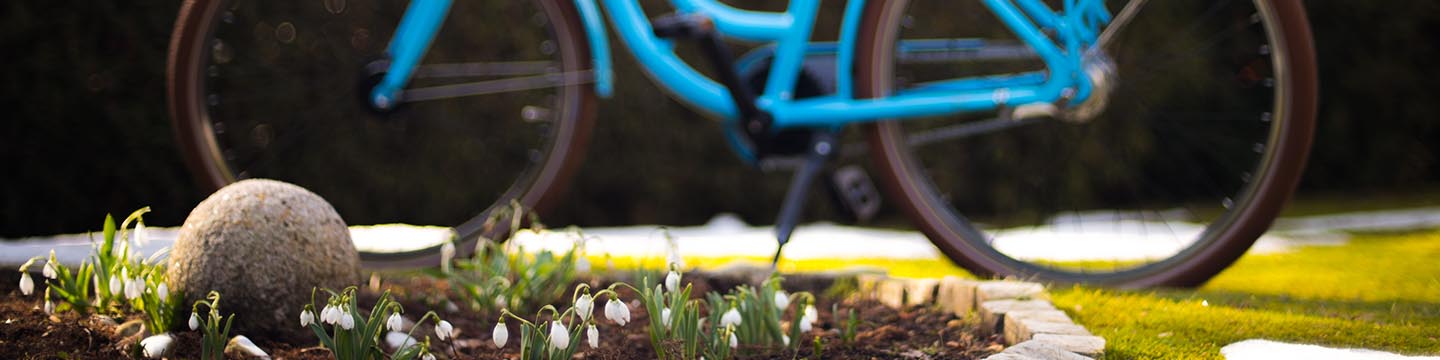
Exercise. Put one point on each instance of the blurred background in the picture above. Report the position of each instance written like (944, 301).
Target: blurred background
(88, 132)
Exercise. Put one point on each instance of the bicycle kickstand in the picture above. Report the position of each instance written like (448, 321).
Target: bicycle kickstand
(822, 145)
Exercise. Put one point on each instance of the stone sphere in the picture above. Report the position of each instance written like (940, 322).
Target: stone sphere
(263, 244)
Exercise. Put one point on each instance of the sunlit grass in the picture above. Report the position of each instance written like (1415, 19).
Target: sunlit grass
(1379, 291)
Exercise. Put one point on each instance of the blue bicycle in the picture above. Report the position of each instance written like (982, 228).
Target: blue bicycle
(1179, 126)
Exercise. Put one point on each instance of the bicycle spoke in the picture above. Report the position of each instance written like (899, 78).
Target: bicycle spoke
(498, 86)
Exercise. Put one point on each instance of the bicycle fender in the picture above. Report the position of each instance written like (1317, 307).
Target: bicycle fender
(599, 46)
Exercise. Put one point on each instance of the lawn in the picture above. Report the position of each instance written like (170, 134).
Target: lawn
(1379, 291)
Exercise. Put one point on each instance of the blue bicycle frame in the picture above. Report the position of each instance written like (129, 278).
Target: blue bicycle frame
(1070, 32)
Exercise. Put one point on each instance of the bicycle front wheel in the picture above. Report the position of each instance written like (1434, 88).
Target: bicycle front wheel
(1205, 134)
(275, 89)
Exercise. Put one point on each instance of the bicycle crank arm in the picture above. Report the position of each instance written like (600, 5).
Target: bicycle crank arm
(488, 87)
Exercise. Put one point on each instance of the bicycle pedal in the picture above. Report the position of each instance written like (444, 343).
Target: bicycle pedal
(856, 192)
(682, 26)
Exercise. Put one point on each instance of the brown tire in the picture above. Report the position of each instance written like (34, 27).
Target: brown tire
(915, 180)
(271, 90)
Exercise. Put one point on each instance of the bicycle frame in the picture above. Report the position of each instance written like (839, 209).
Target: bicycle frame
(1062, 50)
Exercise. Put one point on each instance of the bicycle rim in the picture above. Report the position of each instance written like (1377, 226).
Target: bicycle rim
(1199, 148)
(272, 89)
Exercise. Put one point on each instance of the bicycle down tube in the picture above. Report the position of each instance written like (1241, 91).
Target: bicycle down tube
(1070, 32)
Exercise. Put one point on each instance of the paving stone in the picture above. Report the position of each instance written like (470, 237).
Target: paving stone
(1020, 329)
(1088, 345)
(1004, 356)
(891, 292)
(869, 283)
(1013, 331)
(920, 291)
(999, 290)
(1039, 350)
(956, 295)
(992, 313)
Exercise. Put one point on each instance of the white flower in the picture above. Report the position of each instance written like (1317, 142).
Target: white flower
(195, 321)
(665, 317)
(805, 326)
(140, 238)
(782, 300)
(428, 356)
(116, 287)
(163, 291)
(27, 285)
(133, 288)
(347, 321)
(245, 345)
(585, 306)
(447, 252)
(786, 338)
(617, 311)
(330, 315)
(811, 316)
(393, 323)
(672, 281)
(398, 340)
(731, 318)
(49, 270)
(156, 346)
(306, 318)
(593, 336)
(500, 335)
(559, 335)
(734, 341)
(444, 330)
(49, 308)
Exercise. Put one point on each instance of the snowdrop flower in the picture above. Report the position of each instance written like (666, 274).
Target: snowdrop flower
(559, 335)
(393, 323)
(163, 291)
(347, 321)
(133, 288)
(672, 281)
(49, 270)
(593, 336)
(49, 307)
(582, 265)
(665, 317)
(444, 330)
(27, 285)
(327, 315)
(782, 300)
(734, 342)
(306, 318)
(156, 346)
(248, 347)
(810, 318)
(195, 321)
(428, 356)
(140, 237)
(617, 311)
(116, 287)
(447, 252)
(731, 318)
(584, 306)
(786, 338)
(500, 335)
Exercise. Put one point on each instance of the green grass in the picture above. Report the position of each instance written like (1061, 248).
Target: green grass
(1379, 291)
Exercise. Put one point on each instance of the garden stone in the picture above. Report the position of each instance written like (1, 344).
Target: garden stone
(1038, 350)
(891, 292)
(1021, 327)
(920, 291)
(992, 313)
(956, 295)
(1088, 345)
(1000, 290)
(263, 244)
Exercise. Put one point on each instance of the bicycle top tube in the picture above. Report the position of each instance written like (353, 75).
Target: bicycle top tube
(1071, 29)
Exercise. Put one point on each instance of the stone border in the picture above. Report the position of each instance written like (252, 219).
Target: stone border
(1019, 311)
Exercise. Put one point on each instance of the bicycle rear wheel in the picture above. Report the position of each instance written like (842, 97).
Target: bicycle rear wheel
(273, 89)
(1203, 140)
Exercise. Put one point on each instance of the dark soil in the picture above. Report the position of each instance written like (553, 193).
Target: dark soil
(883, 332)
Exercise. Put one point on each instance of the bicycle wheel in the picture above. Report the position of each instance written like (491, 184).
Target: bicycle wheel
(273, 89)
(1203, 140)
